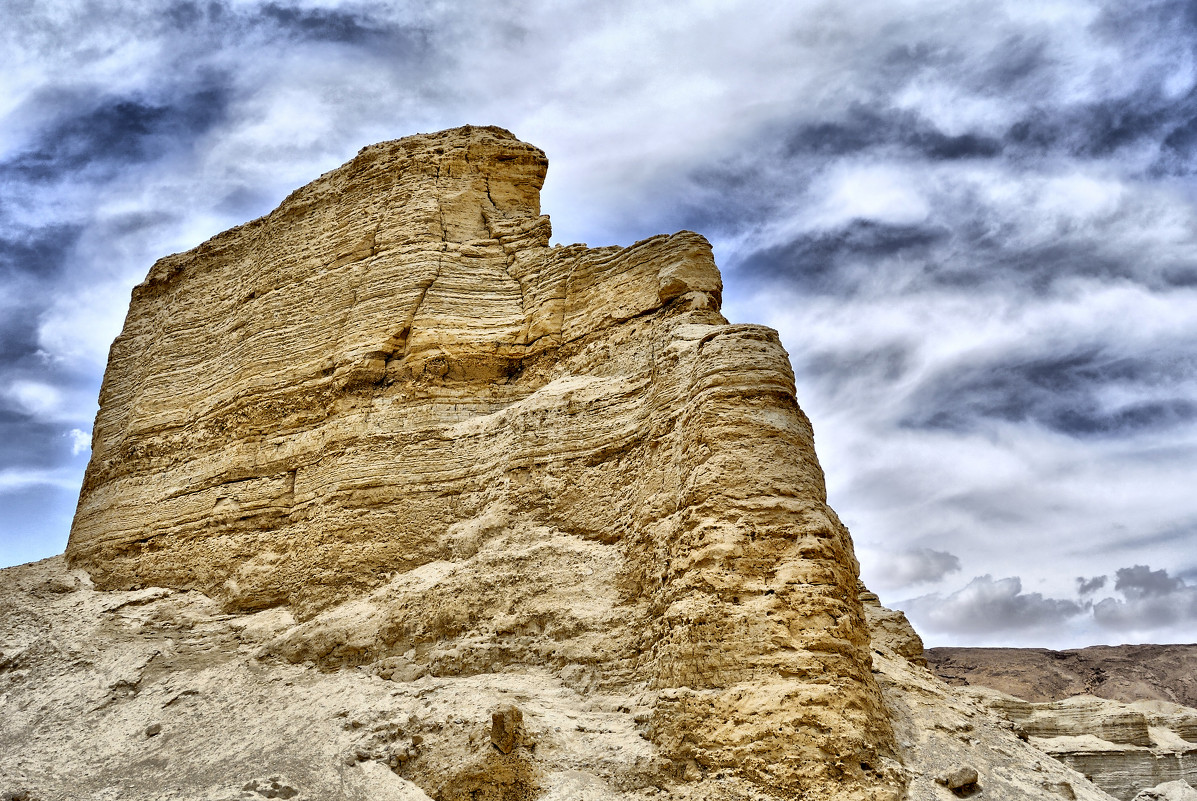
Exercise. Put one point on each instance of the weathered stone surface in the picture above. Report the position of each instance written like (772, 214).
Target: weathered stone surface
(506, 728)
(452, 450)
(961, 778)
(1123, 748)
(889, 627)
(940, 729)
(81, 674)
(1168, 791)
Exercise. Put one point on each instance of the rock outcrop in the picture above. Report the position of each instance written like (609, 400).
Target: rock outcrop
(391, 408)
(159, 694)
(391, 499)
(1122, 748)
(1168, 791)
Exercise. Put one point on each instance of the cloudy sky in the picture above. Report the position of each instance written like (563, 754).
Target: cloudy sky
(974, 224)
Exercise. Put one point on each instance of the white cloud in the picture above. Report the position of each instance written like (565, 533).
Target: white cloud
(986, 607)
(35, 398)
(80, 441)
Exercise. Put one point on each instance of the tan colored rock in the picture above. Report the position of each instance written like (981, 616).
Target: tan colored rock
(1123, 748)
(507, 728)
(890, 628)
(83, 672)
(944, 734)
(451, 450)
(1168, 791)
(961, 779)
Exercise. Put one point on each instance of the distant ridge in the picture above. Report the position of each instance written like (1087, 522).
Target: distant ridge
(1119, 672)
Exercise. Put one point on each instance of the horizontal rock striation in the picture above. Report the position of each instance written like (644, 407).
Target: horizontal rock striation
(452, 449)
(1122, 748)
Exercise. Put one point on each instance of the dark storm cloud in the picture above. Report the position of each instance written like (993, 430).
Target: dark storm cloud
(359, 26)
(1153, 600)
(1140, 581)
(865, 128)
(986, 606)
(862, 252)
(829, 262)
(1088, 586)
(326, 24)
(883, 363)
(1098, 130)
(39, 253)
(1062, 393)
(96, 138)
(29, 443)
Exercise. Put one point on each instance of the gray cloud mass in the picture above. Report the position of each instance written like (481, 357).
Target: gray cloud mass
(973, 223)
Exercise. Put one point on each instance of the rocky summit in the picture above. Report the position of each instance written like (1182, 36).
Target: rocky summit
(391, 499)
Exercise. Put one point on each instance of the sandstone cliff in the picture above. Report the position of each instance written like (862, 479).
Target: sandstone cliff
(389, 498)
(391, 407)
(1110, 712)
(1123, 748)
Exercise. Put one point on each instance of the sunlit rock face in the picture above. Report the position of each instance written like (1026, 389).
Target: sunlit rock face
(392, 407)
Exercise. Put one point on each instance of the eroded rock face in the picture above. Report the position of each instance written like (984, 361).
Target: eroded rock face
(85, 675)
(1122, 748)
(453, 450)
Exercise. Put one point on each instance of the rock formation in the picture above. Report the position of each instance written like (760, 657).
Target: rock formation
(1122, 748)
(159, 694)
(392, 389)
(389, 498)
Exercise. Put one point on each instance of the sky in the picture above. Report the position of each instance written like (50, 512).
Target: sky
(973, 223)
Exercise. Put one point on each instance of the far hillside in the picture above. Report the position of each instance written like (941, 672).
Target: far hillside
(1119, 672)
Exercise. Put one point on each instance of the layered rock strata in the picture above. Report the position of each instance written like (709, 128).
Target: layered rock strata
(1122, 748)
(451, 450)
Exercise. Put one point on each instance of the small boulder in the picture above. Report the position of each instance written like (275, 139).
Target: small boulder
(961, 780)
(153, 730)
(1178, 790)
(506, 728)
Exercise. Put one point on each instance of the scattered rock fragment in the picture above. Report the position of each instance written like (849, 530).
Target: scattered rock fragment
(273, 787)
(506, 728)
(1062, 789)
(1178, 790)
(153, 730)
(961, 780)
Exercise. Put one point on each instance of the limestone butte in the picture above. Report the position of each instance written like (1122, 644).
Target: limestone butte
(454, 450)
(391, 499)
